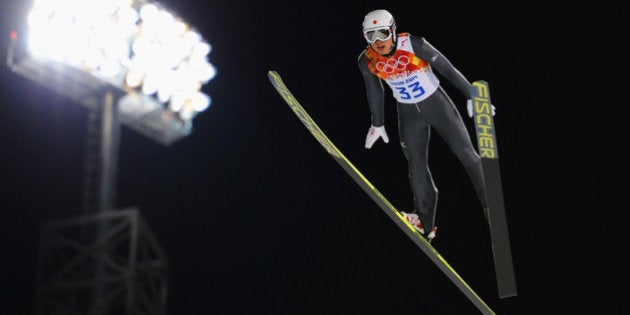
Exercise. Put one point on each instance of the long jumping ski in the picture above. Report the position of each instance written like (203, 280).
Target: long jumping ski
(489, 153)
(380, 200)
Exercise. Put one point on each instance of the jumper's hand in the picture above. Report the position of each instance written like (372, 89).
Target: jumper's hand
(373, 134)
(469, 108)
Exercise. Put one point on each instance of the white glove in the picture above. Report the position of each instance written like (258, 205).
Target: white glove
(373, 134)
(469, 108)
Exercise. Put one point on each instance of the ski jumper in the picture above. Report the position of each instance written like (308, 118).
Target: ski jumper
(422, 104)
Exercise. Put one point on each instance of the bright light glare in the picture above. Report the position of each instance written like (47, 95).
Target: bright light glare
(132, 44)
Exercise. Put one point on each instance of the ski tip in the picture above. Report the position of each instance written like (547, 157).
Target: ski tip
(272, 74)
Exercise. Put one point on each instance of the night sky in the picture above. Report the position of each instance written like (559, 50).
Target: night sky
(256, 218)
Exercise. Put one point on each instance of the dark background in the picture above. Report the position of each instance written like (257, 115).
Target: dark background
(256, 218)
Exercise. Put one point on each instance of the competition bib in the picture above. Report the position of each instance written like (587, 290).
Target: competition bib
(410, 78)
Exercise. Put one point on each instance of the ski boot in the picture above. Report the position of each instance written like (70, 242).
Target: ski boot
(414, 220)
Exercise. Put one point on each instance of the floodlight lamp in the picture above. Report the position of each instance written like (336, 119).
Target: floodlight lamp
(134, 45)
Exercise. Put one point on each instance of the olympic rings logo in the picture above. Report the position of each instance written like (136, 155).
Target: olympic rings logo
(392, 65)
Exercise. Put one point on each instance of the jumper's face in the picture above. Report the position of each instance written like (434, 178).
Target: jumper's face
(383, 47)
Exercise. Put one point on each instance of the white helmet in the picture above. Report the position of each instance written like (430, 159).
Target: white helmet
(378, 20)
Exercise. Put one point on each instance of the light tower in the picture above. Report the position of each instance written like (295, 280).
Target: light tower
(133, 63)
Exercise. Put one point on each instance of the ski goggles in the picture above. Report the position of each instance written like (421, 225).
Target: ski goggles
(382, 34)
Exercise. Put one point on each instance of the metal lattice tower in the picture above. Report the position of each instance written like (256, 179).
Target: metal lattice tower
(82, 268)
(122, 266)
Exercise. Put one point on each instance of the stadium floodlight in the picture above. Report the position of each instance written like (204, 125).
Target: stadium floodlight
(155, 63)
(133, 62)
